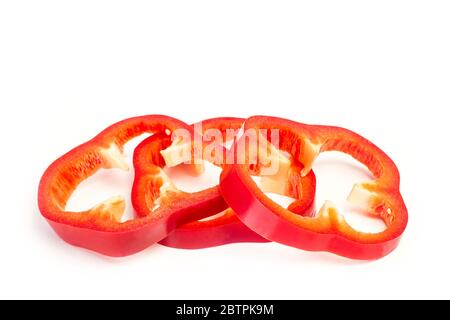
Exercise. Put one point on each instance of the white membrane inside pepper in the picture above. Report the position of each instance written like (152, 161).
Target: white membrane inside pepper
(115, 158)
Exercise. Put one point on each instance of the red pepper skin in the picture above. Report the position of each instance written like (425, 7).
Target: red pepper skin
(328, 231)
(100, 229)
(227, 228)
(216, 231)
(220, 227)
(148, 164)
(220, 230)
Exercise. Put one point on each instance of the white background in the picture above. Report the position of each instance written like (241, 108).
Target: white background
(69, 69)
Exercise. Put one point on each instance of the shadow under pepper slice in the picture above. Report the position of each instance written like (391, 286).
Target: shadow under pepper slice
(328, 230)
(100, 229)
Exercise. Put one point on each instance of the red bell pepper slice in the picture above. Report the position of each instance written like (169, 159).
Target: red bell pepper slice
(99, 229)
(328, 230)
(218, 228)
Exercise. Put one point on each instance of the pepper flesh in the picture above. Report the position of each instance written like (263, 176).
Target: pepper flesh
(328, 230)
(100, 229)
(220, 227)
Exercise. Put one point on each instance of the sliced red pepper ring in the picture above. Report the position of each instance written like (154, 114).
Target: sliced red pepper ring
(100, 228)
(221, 229)
(221, 226)
(218, 228)
(152, 188)
(328, 230)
